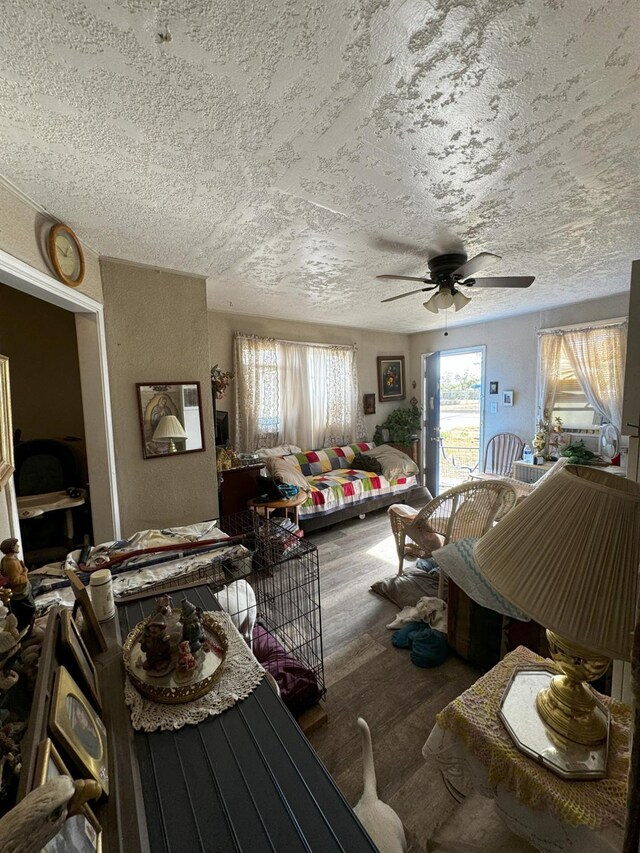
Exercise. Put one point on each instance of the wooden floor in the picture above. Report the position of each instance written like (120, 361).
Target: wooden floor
(366, 676)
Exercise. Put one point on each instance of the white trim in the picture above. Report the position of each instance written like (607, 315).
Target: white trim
(29, 280)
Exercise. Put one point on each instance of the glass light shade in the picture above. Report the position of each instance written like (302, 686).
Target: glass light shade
(568, 556)
(430, 306)
(443, 299)
(460, 300)
(168, 427)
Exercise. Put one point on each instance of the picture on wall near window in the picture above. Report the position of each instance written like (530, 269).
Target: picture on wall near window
(391, 378)
(493, 387)
(507, 398)
(369, 404)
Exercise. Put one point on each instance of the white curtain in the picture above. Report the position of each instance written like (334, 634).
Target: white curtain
(257, 396)
(598, 357)
(304, 394)
(549, 345)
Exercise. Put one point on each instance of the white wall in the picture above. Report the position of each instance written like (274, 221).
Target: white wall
(511, 355)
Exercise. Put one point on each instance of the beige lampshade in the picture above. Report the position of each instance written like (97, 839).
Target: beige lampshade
(568, 556)
(168, 427)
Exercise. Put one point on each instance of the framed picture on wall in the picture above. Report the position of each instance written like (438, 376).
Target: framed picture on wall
(507, 398)
(369, 404)
(391, 384)
(493, 387)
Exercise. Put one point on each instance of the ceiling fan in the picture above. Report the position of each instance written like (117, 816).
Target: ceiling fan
(447, 272)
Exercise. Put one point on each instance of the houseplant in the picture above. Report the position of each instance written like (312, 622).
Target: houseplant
(403, 424)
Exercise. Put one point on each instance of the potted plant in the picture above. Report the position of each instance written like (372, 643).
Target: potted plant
(403, 424)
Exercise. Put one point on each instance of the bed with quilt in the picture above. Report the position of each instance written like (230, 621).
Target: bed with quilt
(342, 482)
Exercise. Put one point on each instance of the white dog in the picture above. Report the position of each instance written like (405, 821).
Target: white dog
(381, 822)
(239, 600)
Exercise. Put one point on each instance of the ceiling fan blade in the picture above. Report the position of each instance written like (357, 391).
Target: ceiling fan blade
(479, 262)
(410, 293)
(503, 281)
(406, 278)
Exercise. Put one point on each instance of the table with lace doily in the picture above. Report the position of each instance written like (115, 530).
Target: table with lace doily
(474, 751)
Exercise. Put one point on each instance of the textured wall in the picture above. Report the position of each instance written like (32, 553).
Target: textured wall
(370, 345)
(23, 234)
(156, 324)
(40, 340)
(511, 355)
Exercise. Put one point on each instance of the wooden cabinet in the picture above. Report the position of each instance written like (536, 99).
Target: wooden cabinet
(236, 486)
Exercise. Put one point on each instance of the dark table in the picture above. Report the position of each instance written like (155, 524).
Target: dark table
(245, 780)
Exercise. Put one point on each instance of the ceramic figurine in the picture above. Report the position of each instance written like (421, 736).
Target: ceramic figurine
(14, 578)
(164, 608)
(9, 648)
(186, 665)
(156, 646)
(192, 629)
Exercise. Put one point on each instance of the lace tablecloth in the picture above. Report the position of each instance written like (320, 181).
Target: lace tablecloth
(473, 716)
(241, 674)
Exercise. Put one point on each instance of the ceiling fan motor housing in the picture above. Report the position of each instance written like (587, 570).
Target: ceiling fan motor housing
(442, 266)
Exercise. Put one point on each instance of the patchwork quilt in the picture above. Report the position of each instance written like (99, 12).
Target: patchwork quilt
(335, 484)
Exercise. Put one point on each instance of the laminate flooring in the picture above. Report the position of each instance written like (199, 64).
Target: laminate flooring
(366, 676)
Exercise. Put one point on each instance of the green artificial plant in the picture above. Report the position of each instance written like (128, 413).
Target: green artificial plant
(578, 454)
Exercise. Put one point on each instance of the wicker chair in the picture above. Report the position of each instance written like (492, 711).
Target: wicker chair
(466, 510)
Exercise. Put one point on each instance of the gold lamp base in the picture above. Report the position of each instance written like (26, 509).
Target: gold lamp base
(567, 705)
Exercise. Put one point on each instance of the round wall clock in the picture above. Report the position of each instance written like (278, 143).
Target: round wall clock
(66, 255)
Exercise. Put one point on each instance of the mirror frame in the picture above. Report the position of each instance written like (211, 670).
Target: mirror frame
(141, 408)
(7, 466)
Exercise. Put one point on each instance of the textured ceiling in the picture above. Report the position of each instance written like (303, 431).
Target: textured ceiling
(293, 150)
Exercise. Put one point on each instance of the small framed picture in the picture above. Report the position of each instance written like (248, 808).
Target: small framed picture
(507, 398)
(80, 659)
(369, 404)
(79, 729)
(93, 630)
(493, 387)
(80, 833)
(391, 378)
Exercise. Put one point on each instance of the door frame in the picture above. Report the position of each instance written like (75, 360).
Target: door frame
(96, 398)
(483, 373)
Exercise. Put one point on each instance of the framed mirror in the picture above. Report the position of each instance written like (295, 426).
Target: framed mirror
(6, 436)
(170, 418)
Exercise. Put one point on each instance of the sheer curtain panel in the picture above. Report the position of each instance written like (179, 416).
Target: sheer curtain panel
(295, 393)
(598, 357)
(549, 345)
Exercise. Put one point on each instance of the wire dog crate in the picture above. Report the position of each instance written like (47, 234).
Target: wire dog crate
(284, 574)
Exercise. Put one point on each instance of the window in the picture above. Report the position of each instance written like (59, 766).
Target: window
(571, 404)
(295, 393)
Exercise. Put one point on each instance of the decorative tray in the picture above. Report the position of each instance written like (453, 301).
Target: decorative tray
(170, 688)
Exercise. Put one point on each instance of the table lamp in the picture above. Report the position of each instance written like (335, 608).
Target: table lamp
(169, 428)
(568, 556)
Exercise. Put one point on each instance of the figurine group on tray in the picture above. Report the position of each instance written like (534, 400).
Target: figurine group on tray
(174, 640)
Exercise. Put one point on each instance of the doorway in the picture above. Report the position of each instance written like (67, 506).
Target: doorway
(454, 395)
(88, 317)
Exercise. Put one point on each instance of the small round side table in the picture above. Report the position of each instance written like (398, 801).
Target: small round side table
(286, 505)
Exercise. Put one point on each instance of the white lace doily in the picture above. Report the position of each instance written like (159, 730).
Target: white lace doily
(241, 674)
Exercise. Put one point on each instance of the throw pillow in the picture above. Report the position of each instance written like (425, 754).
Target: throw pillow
(364, 462)
(285, 471)
(395, 463)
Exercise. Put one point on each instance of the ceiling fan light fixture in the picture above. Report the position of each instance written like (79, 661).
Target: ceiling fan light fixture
(430, 305)
(460, 300)
(443, 299)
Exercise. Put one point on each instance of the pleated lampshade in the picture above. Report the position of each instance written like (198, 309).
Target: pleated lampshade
(168, 427)
(568, 556)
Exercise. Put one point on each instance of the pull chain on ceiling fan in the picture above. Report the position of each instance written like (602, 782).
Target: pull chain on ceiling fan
(448, 272)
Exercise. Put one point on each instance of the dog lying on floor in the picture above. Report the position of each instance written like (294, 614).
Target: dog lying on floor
(381, 822)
